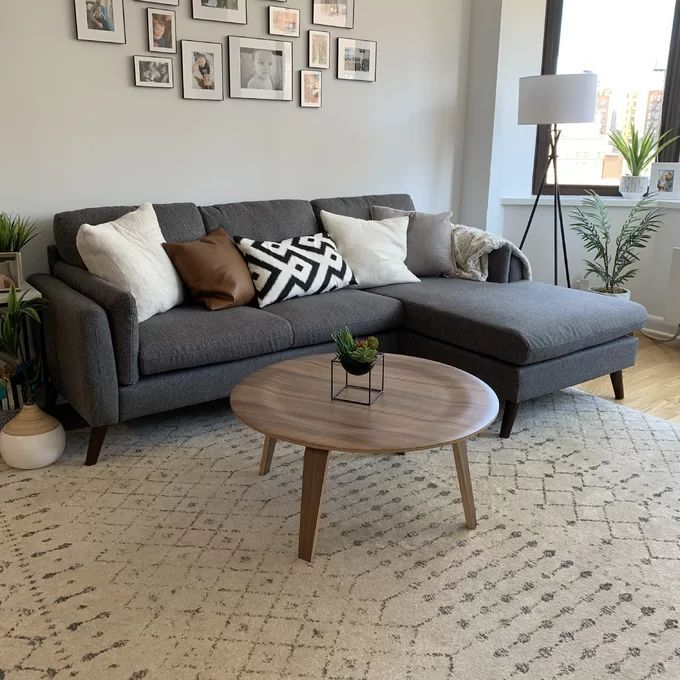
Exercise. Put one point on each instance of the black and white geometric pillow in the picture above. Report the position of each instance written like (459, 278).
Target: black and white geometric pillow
(294, 268)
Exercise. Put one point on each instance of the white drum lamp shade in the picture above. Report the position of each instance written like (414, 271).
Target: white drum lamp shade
(564, 98)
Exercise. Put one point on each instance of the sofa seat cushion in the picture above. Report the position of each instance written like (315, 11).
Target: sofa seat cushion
(187, 337)
(314, 318)
(521, 323)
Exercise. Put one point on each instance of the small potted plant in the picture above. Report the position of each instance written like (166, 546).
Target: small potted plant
(356, 356)
(32, 439)
(638, 151)
(613, 259)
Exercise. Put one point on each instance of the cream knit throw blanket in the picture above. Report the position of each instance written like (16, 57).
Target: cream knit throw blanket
(471, 248)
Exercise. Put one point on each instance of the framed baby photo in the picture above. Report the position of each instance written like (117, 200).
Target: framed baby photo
(319, 49)
(260, 68)
(284, 21)
(665, 181)
(162, 32)
(338, 13)
(310, 89)
(11, 273)
(202, 68)
(100, 20)
(357, 59)
(153, 72)
(230, 11)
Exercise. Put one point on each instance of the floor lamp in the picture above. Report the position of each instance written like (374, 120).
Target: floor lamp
(550, 100)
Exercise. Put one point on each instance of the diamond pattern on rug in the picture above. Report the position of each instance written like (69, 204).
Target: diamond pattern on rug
(172, 558)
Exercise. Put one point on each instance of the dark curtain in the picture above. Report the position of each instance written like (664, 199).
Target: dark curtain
(670, 116)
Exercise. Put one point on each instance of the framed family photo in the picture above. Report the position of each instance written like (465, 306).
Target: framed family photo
(153, 72)
(230, 11)
(357, 59)
(338, 13)
(260, 68)
(100, 20)
(202, 68)
(310, 89)
(284, 21)
(319, 49)
(11, 273)
(665, 180)
(162, 32)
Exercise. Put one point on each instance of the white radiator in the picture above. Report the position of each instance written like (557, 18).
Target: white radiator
(673, 299)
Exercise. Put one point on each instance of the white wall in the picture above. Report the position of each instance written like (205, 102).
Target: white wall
(75, 132)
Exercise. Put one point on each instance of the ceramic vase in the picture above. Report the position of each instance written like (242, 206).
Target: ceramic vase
(31, 440)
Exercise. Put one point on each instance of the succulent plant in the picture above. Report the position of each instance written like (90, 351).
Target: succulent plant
(348, 348)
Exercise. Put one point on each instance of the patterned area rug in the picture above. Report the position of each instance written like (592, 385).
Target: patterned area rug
(172, 559)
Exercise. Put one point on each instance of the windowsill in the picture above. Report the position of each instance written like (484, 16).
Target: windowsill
(609, 201)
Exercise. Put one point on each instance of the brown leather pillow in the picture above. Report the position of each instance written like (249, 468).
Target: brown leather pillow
(214, 270)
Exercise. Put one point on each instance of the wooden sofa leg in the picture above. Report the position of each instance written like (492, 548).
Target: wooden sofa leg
(617, 384)
(97, 435)
(509, 414)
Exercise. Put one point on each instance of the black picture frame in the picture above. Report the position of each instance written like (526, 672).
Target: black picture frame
(149, 18)
(273, 10)
(85, 33)
(207, 13)
(317, 73)
(322, 13)
(169, 62)
(187, 71)
(371, 74)
(310, 60)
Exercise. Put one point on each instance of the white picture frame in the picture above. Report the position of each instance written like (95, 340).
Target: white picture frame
(100, 20)
(166, 43)
(284, 21)
(152, 71)
(664, 181)
(202, 70)
(310, 89)
(174, 3)
(357, 59)
(319, 49)
(260, 69)
(228, 11)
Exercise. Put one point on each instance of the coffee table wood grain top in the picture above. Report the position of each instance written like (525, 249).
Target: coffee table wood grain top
(425, 404)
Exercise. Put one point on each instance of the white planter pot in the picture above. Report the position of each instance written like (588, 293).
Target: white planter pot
(633, 187)
(32, 440)
(623, 295)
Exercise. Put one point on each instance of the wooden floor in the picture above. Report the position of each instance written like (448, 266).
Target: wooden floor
(652, 385)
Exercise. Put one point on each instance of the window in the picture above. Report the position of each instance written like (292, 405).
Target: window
(632, 49)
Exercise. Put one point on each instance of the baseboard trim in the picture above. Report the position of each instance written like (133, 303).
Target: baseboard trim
(659, 326)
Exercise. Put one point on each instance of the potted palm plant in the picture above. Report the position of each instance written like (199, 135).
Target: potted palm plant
(614, 259)
(638, 151)
(32, 439)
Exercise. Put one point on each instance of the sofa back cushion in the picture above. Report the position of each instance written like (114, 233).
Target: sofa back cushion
(360, 206)
(262, 220)
(179, 222)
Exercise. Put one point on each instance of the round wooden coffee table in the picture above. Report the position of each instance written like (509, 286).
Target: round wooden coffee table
(425, 405)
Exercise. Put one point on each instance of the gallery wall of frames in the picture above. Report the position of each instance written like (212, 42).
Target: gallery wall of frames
(244, 67)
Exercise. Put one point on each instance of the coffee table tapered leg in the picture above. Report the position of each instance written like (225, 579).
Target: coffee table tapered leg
(465, 483)
(313, 477)
(267, 454)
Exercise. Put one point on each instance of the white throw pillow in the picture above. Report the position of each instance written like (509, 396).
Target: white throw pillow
(374, 250)
(128, 253)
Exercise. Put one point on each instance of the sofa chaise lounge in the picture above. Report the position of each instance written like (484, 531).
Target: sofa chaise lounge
(523, 338)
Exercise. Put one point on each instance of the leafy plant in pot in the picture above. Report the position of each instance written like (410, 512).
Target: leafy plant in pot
(638, 151)
(356, 356)
(614, 259)
(32, 439)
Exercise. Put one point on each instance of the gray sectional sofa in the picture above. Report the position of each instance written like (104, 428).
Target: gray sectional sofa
(523, 338)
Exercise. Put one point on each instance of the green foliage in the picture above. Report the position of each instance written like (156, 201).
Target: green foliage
(639, 151)
(363, 351)
(15, 232)
(12, 320)
(613, 261)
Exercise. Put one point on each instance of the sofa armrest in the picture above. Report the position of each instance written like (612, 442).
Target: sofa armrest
(121, 310)
(79, 350)
(504, 267)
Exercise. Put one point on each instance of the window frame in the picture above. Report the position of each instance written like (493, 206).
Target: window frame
(670, 112)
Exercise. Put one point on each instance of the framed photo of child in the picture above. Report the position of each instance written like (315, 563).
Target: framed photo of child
(284, 21)
(260, 68)
(153, 72)
(338, 13)
(11, 273)
(230, 11)
(162, 32)
(202, 68)
(357, 59)
(100, 20)
(319, 49)
(310, 89)
(665, 181)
